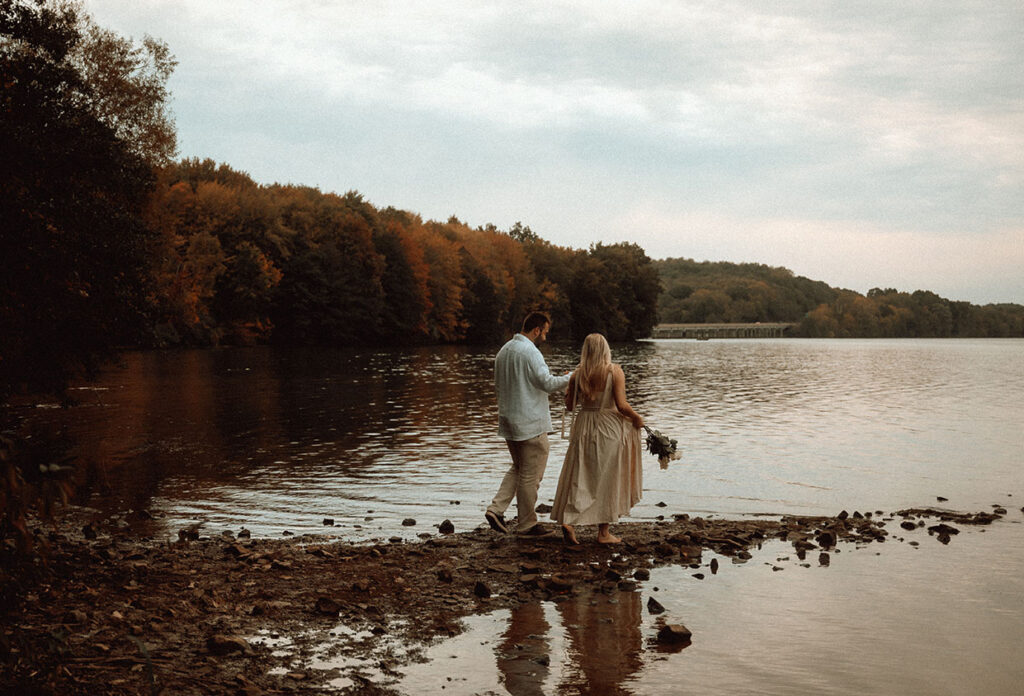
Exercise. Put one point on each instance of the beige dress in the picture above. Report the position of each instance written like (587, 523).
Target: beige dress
(601, 478)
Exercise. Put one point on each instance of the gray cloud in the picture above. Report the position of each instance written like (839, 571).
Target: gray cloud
(904, 121)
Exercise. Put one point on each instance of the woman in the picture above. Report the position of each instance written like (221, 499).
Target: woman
(601, 478)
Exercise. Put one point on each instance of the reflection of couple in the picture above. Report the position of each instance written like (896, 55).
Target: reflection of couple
(601, 475)
(602, 653)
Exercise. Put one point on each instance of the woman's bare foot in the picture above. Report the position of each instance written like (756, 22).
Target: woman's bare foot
(609, 539)
(569, 535)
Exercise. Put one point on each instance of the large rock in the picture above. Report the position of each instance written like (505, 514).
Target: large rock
(654, 606)
(674, 633)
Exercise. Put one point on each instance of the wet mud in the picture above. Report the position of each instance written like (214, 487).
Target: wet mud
(106, 612)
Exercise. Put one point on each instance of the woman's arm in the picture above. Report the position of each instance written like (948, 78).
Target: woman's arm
(571, 392)
(619, 392)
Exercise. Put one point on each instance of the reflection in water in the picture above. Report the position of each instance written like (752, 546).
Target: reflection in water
(274, 439)
(588, 643)
(604, 642)
(523, 655)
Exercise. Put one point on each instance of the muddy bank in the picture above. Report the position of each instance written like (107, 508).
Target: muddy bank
(111, 614)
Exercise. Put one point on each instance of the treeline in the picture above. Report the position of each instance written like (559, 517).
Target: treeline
(718, 292)
(722, 292)
(890, 313)
(237, 262)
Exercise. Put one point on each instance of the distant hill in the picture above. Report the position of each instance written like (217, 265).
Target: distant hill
(718, 291)
(712, 292)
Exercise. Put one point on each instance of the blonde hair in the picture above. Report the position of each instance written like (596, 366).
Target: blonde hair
(595, 359)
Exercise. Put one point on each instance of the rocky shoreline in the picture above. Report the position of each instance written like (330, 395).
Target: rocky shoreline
(108, 613)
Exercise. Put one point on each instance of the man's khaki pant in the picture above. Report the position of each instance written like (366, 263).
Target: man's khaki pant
(522, 480)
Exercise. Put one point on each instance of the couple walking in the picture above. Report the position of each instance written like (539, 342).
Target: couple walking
(601, 476)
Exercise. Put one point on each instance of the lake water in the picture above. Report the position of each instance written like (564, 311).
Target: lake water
(275, 440)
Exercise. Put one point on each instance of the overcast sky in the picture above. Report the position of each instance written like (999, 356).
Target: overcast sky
(865, 144)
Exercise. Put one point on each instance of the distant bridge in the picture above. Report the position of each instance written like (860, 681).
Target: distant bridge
(706, 331)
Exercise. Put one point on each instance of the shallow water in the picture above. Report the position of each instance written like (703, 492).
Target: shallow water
(903, 619)
(279, 440)
(928, 621)
(274, 440)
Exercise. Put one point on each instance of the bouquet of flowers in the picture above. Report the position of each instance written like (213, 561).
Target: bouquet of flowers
(663, 447)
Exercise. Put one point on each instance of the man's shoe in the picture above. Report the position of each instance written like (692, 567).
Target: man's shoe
(537, 531)
(496, 521)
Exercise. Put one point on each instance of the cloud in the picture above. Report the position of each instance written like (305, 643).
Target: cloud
(897, 125)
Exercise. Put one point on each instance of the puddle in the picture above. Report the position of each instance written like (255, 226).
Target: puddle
(603, 641)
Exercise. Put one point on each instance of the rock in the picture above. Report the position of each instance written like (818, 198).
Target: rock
(909, 526)
(642, 574)
(543, 509)
(714, 566)
(237, 550)
(627, 585)
(674, 633)
(654, 606)
(941, 499)
(326, 605)
(481, 590)
(328, 521)
(76, 616)
(558, 583)
(612, 574)
(824, 559)
(446, 527)
(943, 529)
(665, 550)
(244, 533)
(408, 522)
(89, 532)
(221, 644)
(826, 539)
(843, 515)
(699, 576)
(661, 504)
(999, 510)
(943, 538)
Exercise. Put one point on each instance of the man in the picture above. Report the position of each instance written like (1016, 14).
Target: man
(523, 382)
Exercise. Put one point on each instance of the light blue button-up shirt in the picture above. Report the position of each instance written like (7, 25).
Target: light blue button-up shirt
(523, 382)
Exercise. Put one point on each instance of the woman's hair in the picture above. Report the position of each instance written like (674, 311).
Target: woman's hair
(595, 358)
